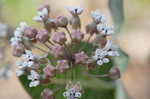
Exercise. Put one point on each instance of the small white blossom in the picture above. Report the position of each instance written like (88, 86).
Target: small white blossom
(28, 55)
(18, 34)
(15, 40)
(72, 94)
(19, 72)
(34, 83)
(33, 75)
(41, 15)
(104, 29)
(73, 91)
(22, 26)
(98, 17)
(102, 54)
(75, 10)
(20, 65)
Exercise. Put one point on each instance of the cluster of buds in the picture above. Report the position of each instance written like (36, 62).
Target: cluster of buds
(60, 45)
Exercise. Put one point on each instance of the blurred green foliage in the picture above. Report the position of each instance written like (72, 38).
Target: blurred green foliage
(15, 11)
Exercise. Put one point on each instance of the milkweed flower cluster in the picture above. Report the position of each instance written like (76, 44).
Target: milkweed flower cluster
(62, 44)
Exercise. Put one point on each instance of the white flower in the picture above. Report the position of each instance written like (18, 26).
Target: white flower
(20, 65)
(28, 55)
(18, 34)
(15, 40)
(75, 10)
(41, 15)
(22, 26)
(104, 29)
(34, 83)
(19, 72)
(33, 75)
(72, 94)
(98, 17)
(100, 56)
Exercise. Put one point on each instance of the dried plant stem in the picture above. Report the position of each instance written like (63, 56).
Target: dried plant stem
(47, 46)
(69, 33)
(67, 49)
(51, 42)
(40, 49)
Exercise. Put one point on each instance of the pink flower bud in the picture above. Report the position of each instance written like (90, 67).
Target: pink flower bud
(30, 32)
(114, 73)
(47, 94)
(77, 35)
(62, 65)
(59, 37)
(18, 50)
(91, 28)
(42, 36)
(57, 50)
(61, 21)
(49, 70)
(80, 58)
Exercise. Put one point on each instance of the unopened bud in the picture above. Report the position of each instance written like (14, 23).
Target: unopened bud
(30, 32)
(61, 21)
(114, 73)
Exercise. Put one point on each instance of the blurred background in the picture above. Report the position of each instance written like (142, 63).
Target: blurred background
(134, 40)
